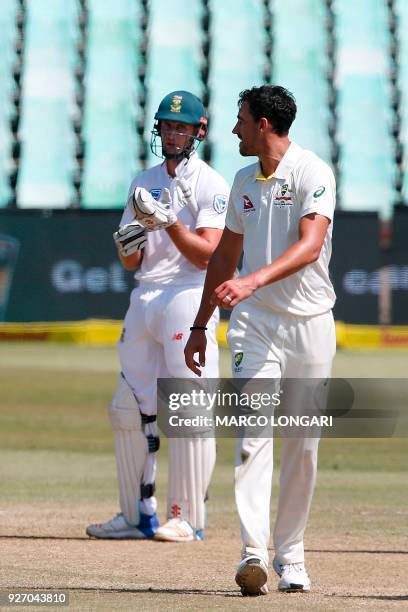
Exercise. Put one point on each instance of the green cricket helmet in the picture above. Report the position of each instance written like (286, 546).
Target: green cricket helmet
(183, 107)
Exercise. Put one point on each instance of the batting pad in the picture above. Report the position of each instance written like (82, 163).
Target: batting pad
(191, 463)
(130, 449)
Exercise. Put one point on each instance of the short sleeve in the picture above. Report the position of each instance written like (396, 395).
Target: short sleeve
(212, 201)
(233, 221)
(317, 190)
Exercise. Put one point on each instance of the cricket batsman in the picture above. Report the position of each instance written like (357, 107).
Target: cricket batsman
(171, 225)
(280, 216)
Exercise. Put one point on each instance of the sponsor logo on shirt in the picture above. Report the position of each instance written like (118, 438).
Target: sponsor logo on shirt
(248, 206)
(220, 203)
(283, 197)
(238, 357)
(156, 193)
(177, 336)
(319, 191)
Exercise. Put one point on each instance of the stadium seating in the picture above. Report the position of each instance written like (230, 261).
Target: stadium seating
(238, 62)
(402, 12)
(83, 127)
(174, 54)
(109, 123)
(46, 163)
(8, 11)
(301, 68)
(364, 106)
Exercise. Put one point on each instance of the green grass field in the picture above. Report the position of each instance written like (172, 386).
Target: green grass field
(58, 473)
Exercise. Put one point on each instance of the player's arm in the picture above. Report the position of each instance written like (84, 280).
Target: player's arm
(221, 267)
(153, 214)
(197, 247)
(312, 232)
(130, 240)
(131, 262)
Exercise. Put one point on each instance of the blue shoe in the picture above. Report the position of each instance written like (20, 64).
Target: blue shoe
(119, 529)
(148, 524)
(199, 534)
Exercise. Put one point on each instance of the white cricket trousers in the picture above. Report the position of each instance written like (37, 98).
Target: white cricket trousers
(275, 346)
(155, 331)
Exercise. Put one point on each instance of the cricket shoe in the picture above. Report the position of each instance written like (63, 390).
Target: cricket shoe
(252, 576)
(178, 530)
(119, 529)
(293, 577)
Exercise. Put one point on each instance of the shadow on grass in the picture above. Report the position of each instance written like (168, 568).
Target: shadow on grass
(375, 597)
(180, 591)
(187, 591)
(358, 551)
(88, 539)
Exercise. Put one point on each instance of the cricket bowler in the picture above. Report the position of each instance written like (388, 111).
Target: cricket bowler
(280, 215)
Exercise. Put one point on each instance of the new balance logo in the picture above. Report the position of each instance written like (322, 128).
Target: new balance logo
(177, 336)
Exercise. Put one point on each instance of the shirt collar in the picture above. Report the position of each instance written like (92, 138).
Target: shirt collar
(185, 166)
(261, 177)
(288, 161)
(285, 165)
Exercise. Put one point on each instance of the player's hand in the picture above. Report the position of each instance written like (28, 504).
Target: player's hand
(130, 238)
(196, 344)
(153, 214)
(232, 292)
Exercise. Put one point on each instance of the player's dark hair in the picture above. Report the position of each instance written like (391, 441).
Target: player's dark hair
(273, 102)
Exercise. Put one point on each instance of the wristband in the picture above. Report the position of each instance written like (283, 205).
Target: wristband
(202, 327)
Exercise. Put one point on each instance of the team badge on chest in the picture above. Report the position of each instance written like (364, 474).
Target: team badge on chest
(283, 197)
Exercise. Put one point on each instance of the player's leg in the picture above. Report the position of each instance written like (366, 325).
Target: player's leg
(252, 358)
(133, 419)
(191, 463)
(191, 460)
(131, 450)
(311, 346)
(141, 359)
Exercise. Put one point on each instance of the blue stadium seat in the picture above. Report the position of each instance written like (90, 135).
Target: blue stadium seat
(301, 68)
(47, 156)
(5, 139)
(402, 11)
(8, 12)
(109, 127)
(364, 106)
(174, 54)
(237, 64)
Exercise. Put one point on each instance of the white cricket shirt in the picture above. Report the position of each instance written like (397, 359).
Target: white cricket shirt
(162, 261)
(267, 212)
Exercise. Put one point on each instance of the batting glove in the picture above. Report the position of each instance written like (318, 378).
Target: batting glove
(153, 214)
(130, 238)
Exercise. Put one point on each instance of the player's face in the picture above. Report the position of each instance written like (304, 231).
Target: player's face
(247, 130)
(176, 136)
